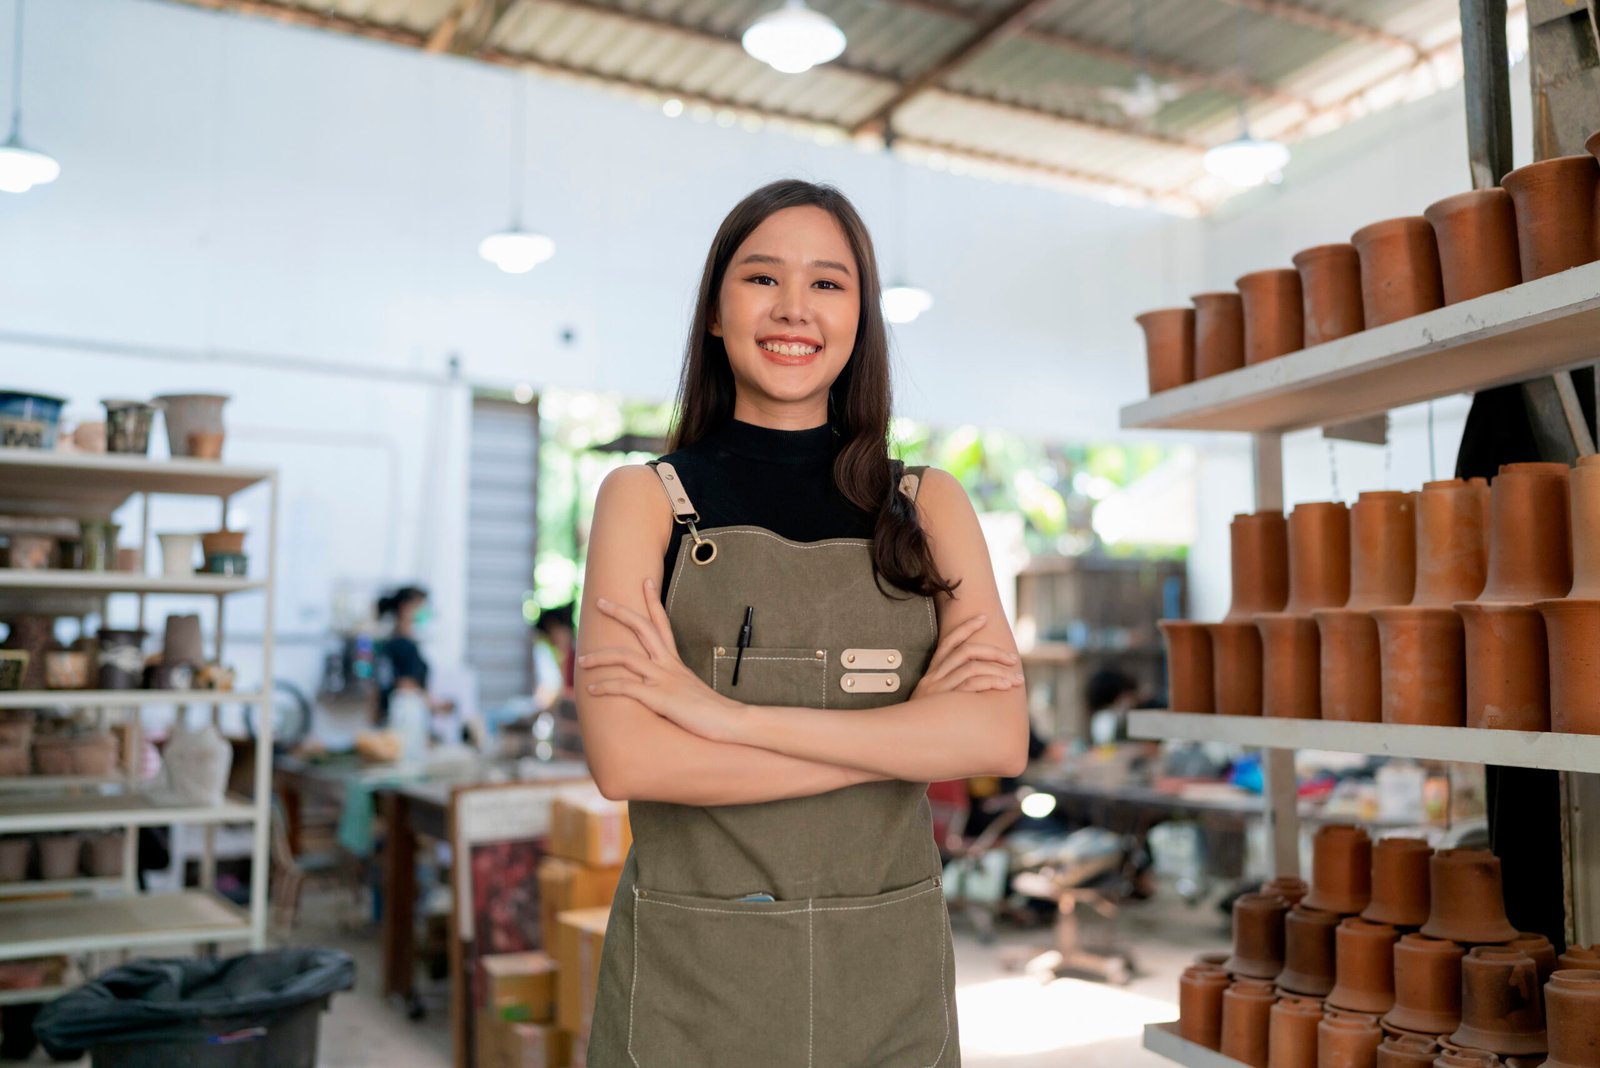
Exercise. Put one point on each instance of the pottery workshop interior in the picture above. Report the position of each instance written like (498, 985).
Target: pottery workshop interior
(800, 533)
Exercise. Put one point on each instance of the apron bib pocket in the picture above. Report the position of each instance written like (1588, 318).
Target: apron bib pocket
(773, 675)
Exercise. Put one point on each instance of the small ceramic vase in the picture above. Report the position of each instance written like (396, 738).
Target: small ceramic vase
(1364, 966)
(1274, 314)
(1477, 235)
(1218, 333)
(1169, 347)
(1330, 280)
(1502, 1007)
(1427, 982)
(1399, 269)
(1468, 903)
(1555, 207)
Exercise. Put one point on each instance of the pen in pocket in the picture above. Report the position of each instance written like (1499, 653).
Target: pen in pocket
(744, 640)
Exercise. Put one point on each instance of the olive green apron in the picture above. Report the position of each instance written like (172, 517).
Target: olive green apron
(850, 965)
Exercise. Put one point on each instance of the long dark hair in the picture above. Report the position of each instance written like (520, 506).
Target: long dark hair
(859, 400)
(392, 603)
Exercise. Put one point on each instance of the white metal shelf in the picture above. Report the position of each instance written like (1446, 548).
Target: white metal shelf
(1163, 1039)
(20, 815)
(1467, 745)
(41, 928)
(86, 885)
(57, 783)
(124, 699)
(1539, 327)
(92, 485)
(105, 582)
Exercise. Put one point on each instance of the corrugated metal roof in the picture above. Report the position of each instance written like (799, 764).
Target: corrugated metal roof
(1056, 90)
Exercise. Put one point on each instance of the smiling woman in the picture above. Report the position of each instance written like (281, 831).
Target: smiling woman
(773, 687)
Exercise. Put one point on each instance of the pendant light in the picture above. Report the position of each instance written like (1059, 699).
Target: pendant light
(515, 250)
(902, 302)
(794, 38)
(22, 168)
(1246, 161)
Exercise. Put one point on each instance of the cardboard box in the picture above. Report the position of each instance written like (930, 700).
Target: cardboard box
(565, 885)
(519, 987)
(580, 936)
(590, 829)
(530, 1045)
(487, 1044)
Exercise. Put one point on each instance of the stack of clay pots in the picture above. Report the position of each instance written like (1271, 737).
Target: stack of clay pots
(1319, 577)
(1383, 567)
(1572, 622)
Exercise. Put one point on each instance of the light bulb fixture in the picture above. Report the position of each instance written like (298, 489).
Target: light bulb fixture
(794, 38)
(903, 303)
(515, 250)
(1246, 161)
(21, 167)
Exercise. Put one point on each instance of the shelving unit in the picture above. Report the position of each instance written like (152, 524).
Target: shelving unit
(97, 914)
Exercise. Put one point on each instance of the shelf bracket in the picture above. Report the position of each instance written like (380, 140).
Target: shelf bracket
(1373, 430)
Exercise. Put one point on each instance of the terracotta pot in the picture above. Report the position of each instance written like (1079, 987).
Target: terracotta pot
(59, 855)
(1292, 1033)
(1200, 990)
(1539, 948)
(1341, 869)
(1383, 550)
(1259, 557)
(1399, 269)
(1363, 966)
(1399, 882)
(106, 854)
(1477, 236)
(94, 754)
(1508, 671)
(1236, 667)
(1579, 958)
(1319, 557)
(206, 445)
(14, 854)
(1257, 936)
(1407, 1051)
(1427, 985)
(1291, 888)
(1274, 316)
(1530, 547)
(1422, 661)
(1308, 960)
(1346, 1041)
(1290, 666)
(1169, 347)
(1465, 1058)
(1502, 1009)
(223, 542)
(1555, 205)
(1572, 1012)
(1190, 687)
(1468, 902)
(1452, 541)
(1583, 484)
(1330, 279)
(1218, 333)
(1572, 629)
(1247, 1021)
(52, 754)
(1350, 666)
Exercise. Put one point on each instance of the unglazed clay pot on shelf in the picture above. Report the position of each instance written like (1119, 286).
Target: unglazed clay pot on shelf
(1383, 567)
(1348, 1040)
(1330, 282)
(1530, 559)
(1341, 869)
(1247, 1020)
(1274, 314)
(1572, 1016)
(1399, 269)
(1422, 645)
(1468, 899)
(1169, 346)
(1257, 936)
(1190, 685)
(1364, 966)
(1407, 1051)
(1259, 549)
(1427, 986)
(1200, 990)
(1579, 959)
(1319, 577)
(1291, 888)
(1477, 235)
(1400, 882)
(1555, 205)
(1572, 623)
(1502, 1007)
(1456, 1057)
(1539, 948)
(1292, 1033)
(1218, 333)
(1308, 956)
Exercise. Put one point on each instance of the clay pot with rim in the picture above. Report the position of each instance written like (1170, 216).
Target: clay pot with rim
(1200, 990)
(1399, 269)
(1348, 1040)
(1502, 1007)
(1363, 966)
(1455, 1057)
(1291, 888)
(1257, 936)
(1218, 333)
(1540, 949)
(1572, 623)
(1190, 686)
(1292, 1033)
(1308, 957)
(1422, 645)
(1468, 901)
(1383, 567)
(1530, 559)
(1341, 869)
(1555, 206)
(1400, 882)
(1330, 281)
(1477, 235)
(1274, 314)
(1259, 549)
(1169, 346)
(1579, 958)
(1407, 1051)
(1572, 1016)
(1247, 1021)
(14, 854)
(1427, 986)
(1319, 577)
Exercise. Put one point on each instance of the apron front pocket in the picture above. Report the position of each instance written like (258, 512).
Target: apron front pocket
(773, 675)
(882, 980)
(719, 983)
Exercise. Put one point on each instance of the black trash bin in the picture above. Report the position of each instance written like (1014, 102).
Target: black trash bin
(256, 1010)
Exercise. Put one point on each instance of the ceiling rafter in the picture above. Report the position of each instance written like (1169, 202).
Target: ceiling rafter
(1294, 15)
(468, 27)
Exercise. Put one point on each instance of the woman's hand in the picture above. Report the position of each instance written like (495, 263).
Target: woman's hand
(658, 678)
(968, 666)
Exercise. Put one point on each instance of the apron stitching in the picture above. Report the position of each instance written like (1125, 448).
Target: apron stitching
(731, 912)
(633, 988)
(879, 905)
(811, 983)
(944, 997)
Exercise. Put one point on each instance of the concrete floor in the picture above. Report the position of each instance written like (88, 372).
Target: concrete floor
(1009, 1019)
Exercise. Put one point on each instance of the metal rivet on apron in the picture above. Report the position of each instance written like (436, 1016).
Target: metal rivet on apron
(722, 650)
(849, 682)
(821, 653)
(888, 682)
(851, 659)
(894, 658)
(668, 475)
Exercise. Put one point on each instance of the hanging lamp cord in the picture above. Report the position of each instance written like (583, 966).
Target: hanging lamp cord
(16, 73)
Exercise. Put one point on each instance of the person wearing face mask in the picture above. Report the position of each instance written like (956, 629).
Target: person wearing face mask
(400, 665)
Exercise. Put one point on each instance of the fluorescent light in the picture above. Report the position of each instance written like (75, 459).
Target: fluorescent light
(516, 251)
(1246, 161)
(902, 303)
(794, 38)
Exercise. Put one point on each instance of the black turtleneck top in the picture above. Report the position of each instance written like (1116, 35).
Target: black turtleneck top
(747, 475)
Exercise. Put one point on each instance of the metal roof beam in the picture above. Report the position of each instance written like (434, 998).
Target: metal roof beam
(468, 27)
(1294, 15)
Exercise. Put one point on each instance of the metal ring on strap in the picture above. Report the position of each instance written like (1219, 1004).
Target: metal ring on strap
(704, 549)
